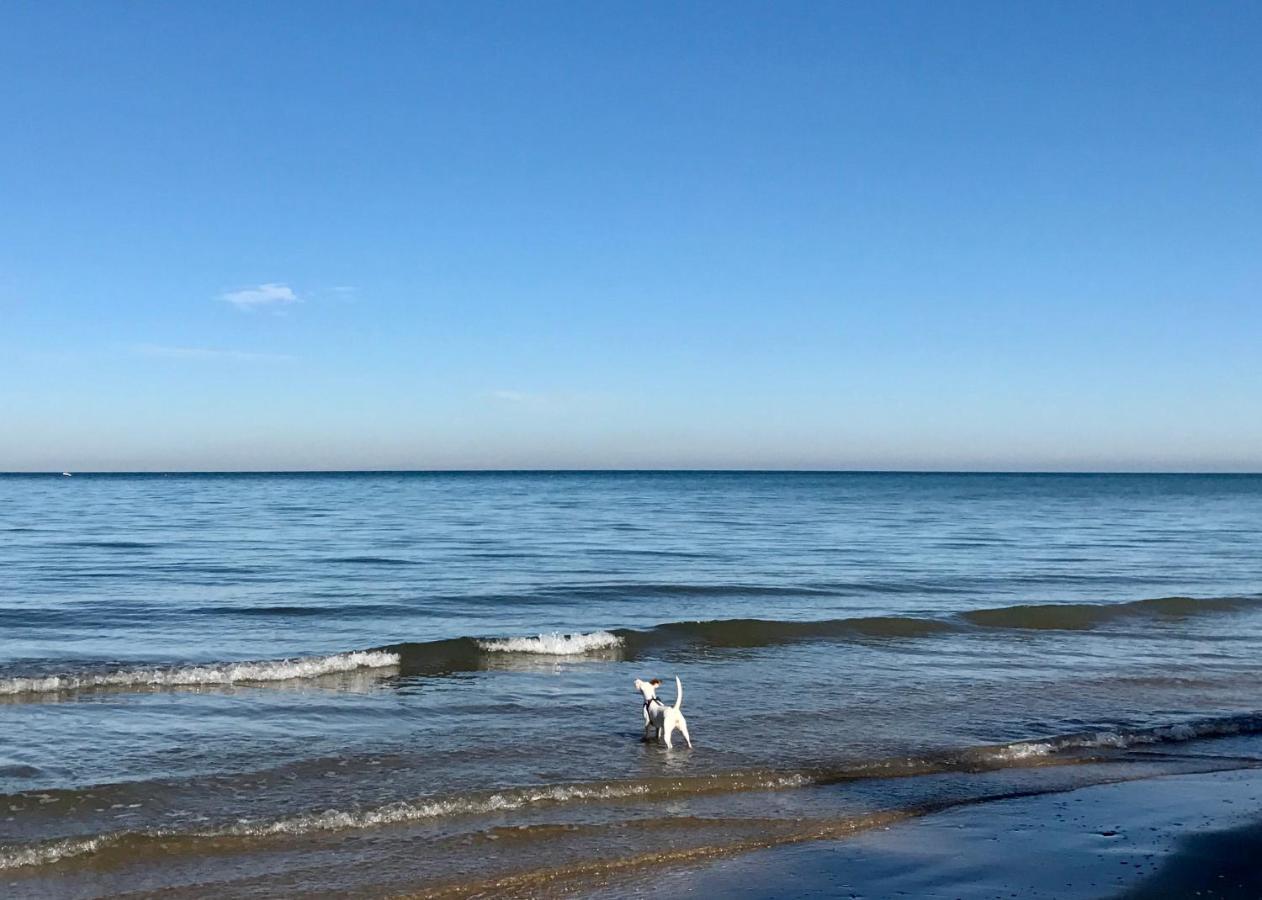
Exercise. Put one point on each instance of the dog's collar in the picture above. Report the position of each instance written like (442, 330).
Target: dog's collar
(651, 700)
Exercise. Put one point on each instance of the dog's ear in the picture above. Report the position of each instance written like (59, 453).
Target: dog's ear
(656, 682)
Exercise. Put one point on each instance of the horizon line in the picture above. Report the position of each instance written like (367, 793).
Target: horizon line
(629, 471)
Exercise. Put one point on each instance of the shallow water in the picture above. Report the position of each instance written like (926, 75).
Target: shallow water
(392, 682)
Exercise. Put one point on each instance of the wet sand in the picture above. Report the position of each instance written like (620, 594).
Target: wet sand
(1169, 837)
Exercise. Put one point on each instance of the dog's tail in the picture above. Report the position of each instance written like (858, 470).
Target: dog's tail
(679, 693)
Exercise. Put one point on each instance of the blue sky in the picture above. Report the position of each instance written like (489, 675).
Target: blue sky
(465, 235)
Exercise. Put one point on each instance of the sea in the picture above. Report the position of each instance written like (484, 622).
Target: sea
(422, 684)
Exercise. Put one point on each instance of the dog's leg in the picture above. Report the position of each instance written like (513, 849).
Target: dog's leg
(683, 729)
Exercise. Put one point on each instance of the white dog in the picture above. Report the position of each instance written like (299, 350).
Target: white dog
(657, 715)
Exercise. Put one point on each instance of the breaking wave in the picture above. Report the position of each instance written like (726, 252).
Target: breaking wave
(1124, 738)
(469, 654)
(629, 644)
(554, 644)
(512, 799)
(52, 851)
(193, 676)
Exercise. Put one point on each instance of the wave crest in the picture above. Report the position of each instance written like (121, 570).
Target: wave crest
(554, 644)
(192, 676)
(51, 852)
(1082, 616)
(1123, 738)
(470, 654)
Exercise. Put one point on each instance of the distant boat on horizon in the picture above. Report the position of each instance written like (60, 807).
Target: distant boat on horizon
(67, 474)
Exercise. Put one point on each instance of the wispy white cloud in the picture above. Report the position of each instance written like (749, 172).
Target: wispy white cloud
(518, 397)
(270, 294)
(163, 351)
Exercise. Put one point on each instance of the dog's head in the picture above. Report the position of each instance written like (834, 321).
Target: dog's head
(648, 689)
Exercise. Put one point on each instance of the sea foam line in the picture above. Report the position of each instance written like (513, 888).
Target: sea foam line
(1121, 739)
(555, 644)
(410, 811)
(388, 814)
(214, 674)
(51, 852)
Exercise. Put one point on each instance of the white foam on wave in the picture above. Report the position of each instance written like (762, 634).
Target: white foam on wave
(215, 674)
(329, 820)
(555, 644)
(1122, 739)
(46, 854)
(410, 811)
(1096, 740)
(1024, 750)
(389, 814)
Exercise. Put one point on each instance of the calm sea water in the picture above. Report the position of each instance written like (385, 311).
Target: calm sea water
(263, 685)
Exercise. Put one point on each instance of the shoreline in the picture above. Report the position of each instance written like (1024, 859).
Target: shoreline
(1159, 837)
